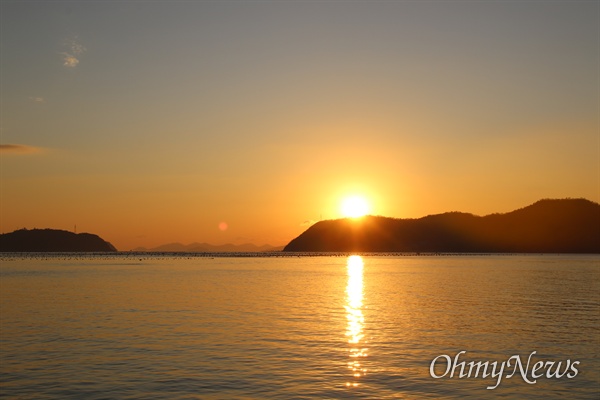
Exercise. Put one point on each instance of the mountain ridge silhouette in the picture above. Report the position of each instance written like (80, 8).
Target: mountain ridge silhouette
(547, 226)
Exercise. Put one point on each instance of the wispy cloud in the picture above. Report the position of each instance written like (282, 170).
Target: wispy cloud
(37, 99)
(70, 60)
(74, 50)
(18, 149)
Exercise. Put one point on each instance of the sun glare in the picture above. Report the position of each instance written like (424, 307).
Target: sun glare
(355, 207)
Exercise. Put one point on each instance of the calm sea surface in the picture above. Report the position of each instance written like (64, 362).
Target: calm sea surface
(321, 327)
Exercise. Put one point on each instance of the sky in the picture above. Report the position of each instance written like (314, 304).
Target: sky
(151, 122)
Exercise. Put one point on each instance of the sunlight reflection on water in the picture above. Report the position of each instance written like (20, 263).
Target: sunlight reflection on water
(356, 319)
(358, 327)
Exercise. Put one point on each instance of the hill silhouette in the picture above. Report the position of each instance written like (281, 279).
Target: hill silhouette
(547, 226)
(210, 248)
(52, 240)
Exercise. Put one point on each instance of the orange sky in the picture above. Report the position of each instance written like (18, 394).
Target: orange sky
(154, 122)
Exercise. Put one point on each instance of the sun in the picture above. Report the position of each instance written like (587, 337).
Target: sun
(355, 207)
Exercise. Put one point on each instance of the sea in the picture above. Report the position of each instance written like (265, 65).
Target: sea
(299, 326)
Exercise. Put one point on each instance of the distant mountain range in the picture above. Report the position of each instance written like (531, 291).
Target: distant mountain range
(52, 240)
(210, 248)
(547, 226)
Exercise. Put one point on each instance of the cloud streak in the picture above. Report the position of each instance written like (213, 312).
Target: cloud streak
(18, 149)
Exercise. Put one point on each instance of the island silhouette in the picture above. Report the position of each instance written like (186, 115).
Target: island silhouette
(52, 240)
(547, 226)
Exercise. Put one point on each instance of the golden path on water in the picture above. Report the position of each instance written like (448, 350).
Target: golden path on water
(356, 319)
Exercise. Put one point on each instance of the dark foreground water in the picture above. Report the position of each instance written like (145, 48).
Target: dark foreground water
(165, 326)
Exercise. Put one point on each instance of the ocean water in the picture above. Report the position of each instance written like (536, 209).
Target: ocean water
(165, 326)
